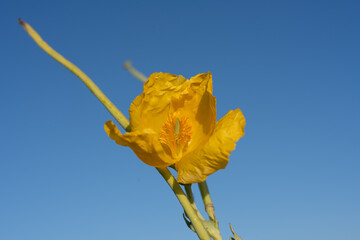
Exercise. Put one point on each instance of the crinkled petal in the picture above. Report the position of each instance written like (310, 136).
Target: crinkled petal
(145, 145)
(214, 155)
(198, 104)
(203, 77)
(151, 108)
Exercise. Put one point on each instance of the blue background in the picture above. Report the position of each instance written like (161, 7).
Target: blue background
(292, 67)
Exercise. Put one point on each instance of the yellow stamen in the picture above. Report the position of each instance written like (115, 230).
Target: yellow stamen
(175, 135)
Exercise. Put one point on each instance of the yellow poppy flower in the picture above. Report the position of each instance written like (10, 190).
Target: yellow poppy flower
(173, 122)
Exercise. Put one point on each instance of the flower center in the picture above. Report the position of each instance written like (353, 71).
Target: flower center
(175, 135)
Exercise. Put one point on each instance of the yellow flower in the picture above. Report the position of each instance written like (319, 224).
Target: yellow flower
(174, 122)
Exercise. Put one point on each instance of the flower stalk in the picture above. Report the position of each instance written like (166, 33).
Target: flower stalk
(190, 212)
(124, 122)
(138, 75)
(190, 196)
(209, 206)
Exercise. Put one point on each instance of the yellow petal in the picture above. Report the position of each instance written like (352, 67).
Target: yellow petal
(151, 108)
(198, 104)
(145, 145)
(214, 155)
(207, 77)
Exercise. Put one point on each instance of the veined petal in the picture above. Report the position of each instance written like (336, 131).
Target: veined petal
(215, 153)
(145, 145)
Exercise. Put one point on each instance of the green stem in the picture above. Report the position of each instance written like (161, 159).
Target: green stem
(134, 72)
(80, 74)
(190, 196)
(209, 206)
(195, 220)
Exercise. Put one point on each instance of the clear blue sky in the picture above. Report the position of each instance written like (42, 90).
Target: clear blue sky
(292, 67)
